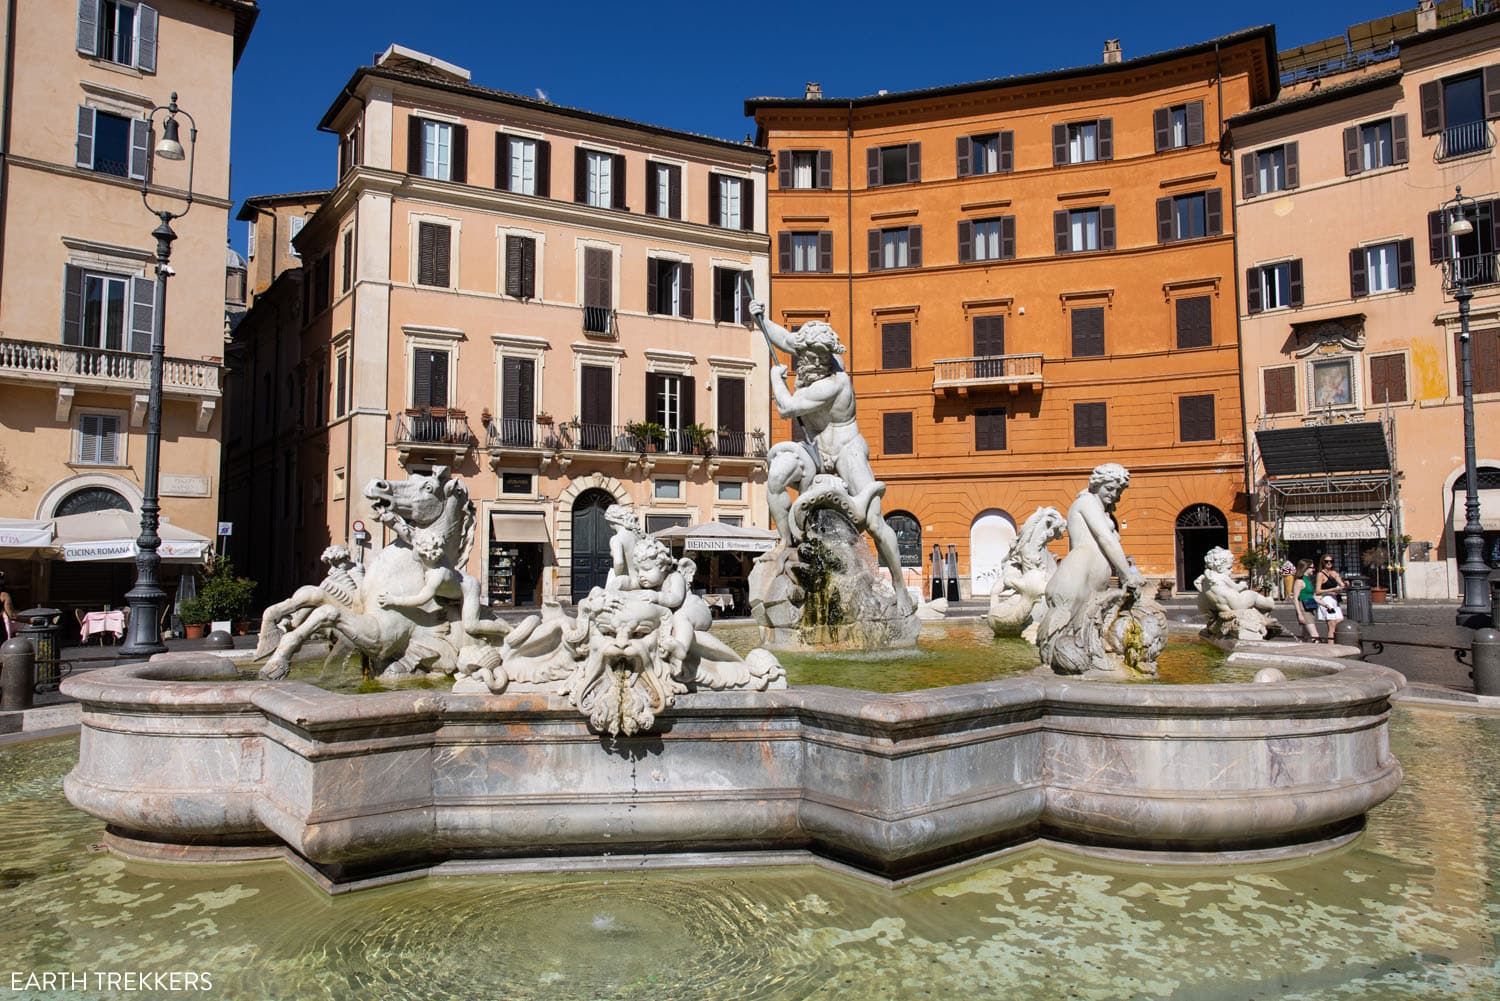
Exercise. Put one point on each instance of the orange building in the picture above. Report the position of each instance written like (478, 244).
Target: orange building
(1032, 275)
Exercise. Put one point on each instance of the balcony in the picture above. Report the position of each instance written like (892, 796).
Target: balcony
(571, 439)
(436, 436)
(599, 322)
(70, 368)
(981, 372)
(1474, 270)
(1461, 140)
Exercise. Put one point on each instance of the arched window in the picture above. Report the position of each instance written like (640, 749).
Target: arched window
(908, 537)
(91, 499)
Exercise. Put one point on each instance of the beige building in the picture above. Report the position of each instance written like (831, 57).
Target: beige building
(1351, 360)
(77, 296)
(551, 303)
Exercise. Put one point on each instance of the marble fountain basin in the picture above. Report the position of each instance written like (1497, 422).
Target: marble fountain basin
(183, 759)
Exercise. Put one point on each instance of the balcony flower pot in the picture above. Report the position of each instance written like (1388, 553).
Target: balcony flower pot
(194, 630)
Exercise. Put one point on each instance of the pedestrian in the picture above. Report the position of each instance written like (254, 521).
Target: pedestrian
(1306, 605)
(1328, 587)
(7, 612)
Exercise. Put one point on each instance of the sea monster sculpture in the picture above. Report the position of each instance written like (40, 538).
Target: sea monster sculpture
(1018, 599)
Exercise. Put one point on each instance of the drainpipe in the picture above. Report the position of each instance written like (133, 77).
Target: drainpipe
(849, 222)
(1235, 184)
(5, 116)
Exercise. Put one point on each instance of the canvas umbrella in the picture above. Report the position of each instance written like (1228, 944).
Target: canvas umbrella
(22, 539)
(109, 536)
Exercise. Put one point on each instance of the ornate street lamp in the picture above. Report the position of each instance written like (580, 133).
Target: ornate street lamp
(1457, 275)
(146, 597)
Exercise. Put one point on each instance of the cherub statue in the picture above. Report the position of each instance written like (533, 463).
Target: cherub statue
(1234, 610)
(444, 583)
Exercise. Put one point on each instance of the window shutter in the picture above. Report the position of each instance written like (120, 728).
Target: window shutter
(1430, 98)
(964, 146)
(140, 148)
(596, 385)
(442, 253)
(1159, 125)
(502, 161)
(145, 43)
(1090, 426)
(653, 285)
(1059, 145)
(913, 162)
(413, 145)
(1164, 220)
(421, 378)
(88, 26)
(346, 273)
(744, 290)
(1352, 161)
(989, 430)
(825, 168)
(426, 266)
(687, 389)
(989, 336)
(142, 314)
(543, 169)
(685, 292)
(1358, 284)
(897, 436)
(825, 250)
(580, 174)
(1195, 418)
(1388, 379)
(731, 404)
(617, 181)
(1007, 151)
(874, 247)
(747, 203)
(1280, 386)
(713, 200)
(1195, 322)
(1399, 151)
(965, 241)
(1007, 237)
(85, 144)
(1492, 92)
(1293, 172)
(72, 325)
(1296, 283)
(674, 192)
(784, 252)
(783, 170)
(520, 390)
(914, 246)
(872, 165)
(1195, 123)
(1088, 331)
(1247, 176)
(1106, 227)
(1252, 290)
(1061, 239)
(1106, 139)
(513, 255)
(1437, 232)
(653, 398)
(1406, 264)
(528, 268)
(1214, 211)
(653, 173)
(895, 345)
(718, 282)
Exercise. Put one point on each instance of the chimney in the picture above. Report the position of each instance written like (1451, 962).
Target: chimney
(814, 91)
(1426, 15)
(1112, 50)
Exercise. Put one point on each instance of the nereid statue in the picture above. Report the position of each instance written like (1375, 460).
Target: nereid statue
(1091, 627)
(1018, 598)
(1235, 611)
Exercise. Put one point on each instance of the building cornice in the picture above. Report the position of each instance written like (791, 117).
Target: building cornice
(68, 170)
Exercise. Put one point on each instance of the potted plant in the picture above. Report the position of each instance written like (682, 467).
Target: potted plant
(1378, 559)
(700, 437)
(1260, 563)
(544, 418)
(227, 597)
(647, 434)
(195, 618)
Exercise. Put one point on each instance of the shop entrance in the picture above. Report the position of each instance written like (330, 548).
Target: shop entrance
(1199, 528)
(591, 535)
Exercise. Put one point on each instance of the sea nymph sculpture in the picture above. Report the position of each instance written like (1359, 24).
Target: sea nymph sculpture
(1018, 599)
(1091, 627)
(1235, 611)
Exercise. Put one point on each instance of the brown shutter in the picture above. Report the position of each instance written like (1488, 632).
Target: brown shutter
(989, 336)
(747, 203)
(825, 250)
(1388, 379)
(1195, 322)
(1106, 139)
(1358, 280)
(1007, 237)
(617, 181)
(1280, 389)
(1492, 92)
(1195, 418)
(872, 164)
(421, 378)
(965, 147)
(1352, 162)
(989, 429)
(426, 264)
(653, 172)
(783, 170)
(502, 161)
(674, 192)
(1399, 144)
(1431, 101)
(1106, 227)
(459, 170)
(580, 174)
(1090, 425)
(596, 385)
(1406, 264)
(965, 241)
(653, 290)
(913, 162)
(896, 436)
(685, 292)
(874, 249)
(825, 168)
(1164, 220)
(413, 145)
(713, 199)
(1088, 331)
(1213, 200)
(1195, 123)
(1059, 145)
(731, 404)
(1437, 233)
(653, 408)
(520, 390)
(597, 278)
(1296, 283)
(1061, 241)
(1292, 171)
(513, 255)
(784, 252)
(895, 345)
(1252, 290)
(72, 327)
(442, 254)
(543, 169)
(1160, 124)
(914, 246)
(718, 283)
(687, 391)
(1247, 175)
(1007, 151)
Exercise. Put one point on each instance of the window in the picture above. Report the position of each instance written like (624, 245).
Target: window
(437, 150)
(1280, 390)
(894, 164)
(598, 282)
(900, 247)
(1375, 145)
(1195, 418)
(1268, 170)
(517, 402)
(1484, 360)
(731, 415)
(731, 490)
(320, 396)
(671, 402)
(323, 283)
(515, 483)
(434, 254)
(731, 201)
(989, 429)
(1385, 267)
(104, 305)
(1455, 109)
(666, 489)
(1388, 378)
(1080, 230)
(117, 31)
(523, 166)
(120, 31)
(113, 144)
(669, 287)
(252, 232)
(293, 227)
(1082, 142)
(1189, 217)
(341, 384)
(1088, 331)
(992, 153)
(520, 266)
(732, 295)
(1474, 252)
(989, 342)
(97, 441)
(429, 379)
(804, 169)
(598, 179)
(664, 190)
(349, 150)
(804, 252)
(657, 522)
(107, 311)
(908, 531)
(1195, 322)
(1179, 126)
(896, 428)
(730, 519)
(346, 275)
(1273, 286)
(895, 345)
(1090, 425)
(987, 239)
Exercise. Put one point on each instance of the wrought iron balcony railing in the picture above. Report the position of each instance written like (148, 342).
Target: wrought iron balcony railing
(38, 361)
(987, 370)
(434, 429)
(1475, 269)
(620, 439)
(599, 321)
(511, 432)
(750, 444)
(1461, 140)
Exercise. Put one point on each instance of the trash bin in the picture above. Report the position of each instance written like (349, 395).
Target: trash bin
(1359, 609)
(39, 625)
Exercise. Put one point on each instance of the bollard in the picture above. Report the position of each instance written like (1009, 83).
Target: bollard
(1485, 656)
(219, 640)
(17, 674)
(1359, 606)
(1346, 633)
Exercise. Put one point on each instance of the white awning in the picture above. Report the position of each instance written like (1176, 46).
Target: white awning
(1489, 511)
(21, 539)
(109, 536)
(717, 537)
(1328, 527)
(518, 526)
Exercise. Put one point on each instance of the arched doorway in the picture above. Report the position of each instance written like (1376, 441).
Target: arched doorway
(91, 499)
(1200, 528)
(591, 534)
(1488, 483)
(991, 537)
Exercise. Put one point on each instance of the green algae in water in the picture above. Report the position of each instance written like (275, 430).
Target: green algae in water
(1409, 911)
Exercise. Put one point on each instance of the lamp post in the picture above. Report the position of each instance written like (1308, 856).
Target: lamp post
(146, 597)
(1475, 607)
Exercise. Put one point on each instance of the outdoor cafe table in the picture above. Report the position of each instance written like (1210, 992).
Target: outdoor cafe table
(97, 623)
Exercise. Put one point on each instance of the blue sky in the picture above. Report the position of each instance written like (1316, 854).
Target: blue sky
(691, 65)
